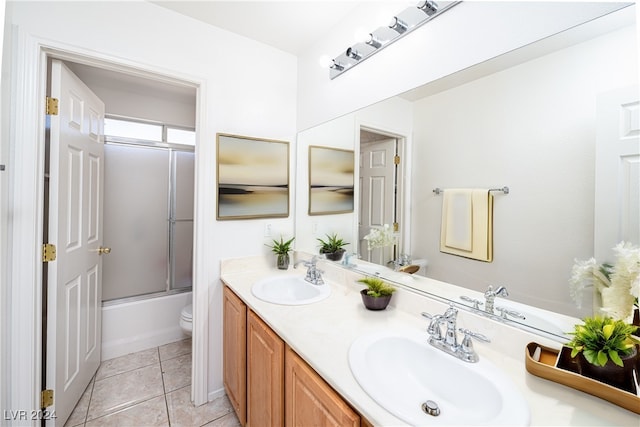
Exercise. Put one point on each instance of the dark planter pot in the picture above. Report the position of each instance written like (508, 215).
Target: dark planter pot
(373, 303)
(334, 256)
(612, 374)
(283, 261)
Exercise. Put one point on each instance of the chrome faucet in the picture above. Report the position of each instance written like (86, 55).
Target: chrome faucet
(490, 297)
(449, 342)
(314, 276)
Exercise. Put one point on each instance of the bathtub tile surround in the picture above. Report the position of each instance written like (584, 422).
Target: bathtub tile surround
(148, 388)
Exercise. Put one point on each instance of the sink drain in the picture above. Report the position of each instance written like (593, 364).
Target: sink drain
(431, 408)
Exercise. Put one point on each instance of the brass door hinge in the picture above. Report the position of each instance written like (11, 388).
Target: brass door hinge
(48, 252)
(52, 106)
(396, 159)
(396, 227)
(46, 398)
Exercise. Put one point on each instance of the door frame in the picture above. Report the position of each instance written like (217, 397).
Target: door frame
(404, 180)
(24, 334)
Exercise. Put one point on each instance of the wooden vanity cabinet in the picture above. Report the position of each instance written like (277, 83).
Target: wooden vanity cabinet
(265, 374)
(234, 352)
(310, 401)
(267, 383)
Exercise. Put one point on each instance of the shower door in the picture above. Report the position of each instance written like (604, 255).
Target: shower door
(149, 220)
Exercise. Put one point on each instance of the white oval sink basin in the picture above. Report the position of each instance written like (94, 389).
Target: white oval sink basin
(401, 371)
(289, 290)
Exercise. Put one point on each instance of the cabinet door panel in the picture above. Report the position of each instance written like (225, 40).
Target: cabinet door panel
(310, 401)
(235, 352)
(265, 375)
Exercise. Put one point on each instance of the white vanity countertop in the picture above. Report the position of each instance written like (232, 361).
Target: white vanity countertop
(321, 333)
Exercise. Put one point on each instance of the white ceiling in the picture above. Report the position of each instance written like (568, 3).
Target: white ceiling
(290, 26)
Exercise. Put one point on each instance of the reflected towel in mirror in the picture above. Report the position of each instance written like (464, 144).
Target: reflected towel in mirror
(467, 223)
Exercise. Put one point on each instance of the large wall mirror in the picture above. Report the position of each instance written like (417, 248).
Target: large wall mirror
(534, 120)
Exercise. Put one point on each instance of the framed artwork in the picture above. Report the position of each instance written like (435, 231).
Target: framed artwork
(331, 180)
(253, 177)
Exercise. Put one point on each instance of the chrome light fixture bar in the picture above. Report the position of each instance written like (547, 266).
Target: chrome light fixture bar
(401, 25)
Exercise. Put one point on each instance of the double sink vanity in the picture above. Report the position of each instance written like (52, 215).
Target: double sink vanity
(299, 353)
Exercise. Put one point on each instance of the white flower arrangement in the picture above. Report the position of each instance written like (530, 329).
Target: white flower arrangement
(380, 237)
(617, 283)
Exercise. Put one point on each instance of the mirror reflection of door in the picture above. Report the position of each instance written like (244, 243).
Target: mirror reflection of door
(379, 189)
(617, 172)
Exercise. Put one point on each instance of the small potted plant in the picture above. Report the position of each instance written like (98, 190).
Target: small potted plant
(606, 351)
(332, 247)
(282, 249)
(378, 293)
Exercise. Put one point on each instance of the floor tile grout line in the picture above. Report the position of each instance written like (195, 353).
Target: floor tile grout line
(86, 414)
(126, 408)
(127, 371)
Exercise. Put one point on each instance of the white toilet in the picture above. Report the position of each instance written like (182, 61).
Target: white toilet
(186, 319)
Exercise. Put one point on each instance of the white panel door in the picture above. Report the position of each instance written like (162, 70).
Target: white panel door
(617, 193)
(75, 226)
(377, 194)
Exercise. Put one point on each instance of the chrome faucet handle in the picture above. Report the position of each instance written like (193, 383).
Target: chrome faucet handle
(501, 291)
(307, 263)
(451, 314)
(505, 313)
(434, 326)
(467, 351)
(476, 303)
(467, 334)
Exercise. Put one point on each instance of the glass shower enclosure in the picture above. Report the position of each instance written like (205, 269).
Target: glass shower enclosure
(148, 220)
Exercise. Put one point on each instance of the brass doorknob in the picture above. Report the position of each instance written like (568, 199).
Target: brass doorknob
(103, 250)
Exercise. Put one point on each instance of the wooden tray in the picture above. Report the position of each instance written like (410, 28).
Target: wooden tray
(567, 374)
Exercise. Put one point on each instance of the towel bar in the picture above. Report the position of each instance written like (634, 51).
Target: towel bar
(505, 190)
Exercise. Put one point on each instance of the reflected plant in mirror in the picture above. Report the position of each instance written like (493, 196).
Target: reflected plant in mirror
(333, 247)
(616, 285)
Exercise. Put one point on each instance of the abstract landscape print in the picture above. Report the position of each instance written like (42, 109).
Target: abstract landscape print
(331, 180)
(253, 177)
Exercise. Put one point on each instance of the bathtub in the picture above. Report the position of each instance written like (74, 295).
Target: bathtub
(133, 326)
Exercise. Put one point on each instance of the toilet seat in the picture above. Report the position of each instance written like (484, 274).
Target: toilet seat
(186, 319)
(187, 313)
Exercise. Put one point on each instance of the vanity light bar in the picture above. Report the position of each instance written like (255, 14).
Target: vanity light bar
(401, 25)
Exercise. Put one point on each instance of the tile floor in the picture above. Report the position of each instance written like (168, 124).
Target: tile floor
(148, 388)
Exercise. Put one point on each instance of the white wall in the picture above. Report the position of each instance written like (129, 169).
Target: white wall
(467, 34)
(532, 128)
(246, 88)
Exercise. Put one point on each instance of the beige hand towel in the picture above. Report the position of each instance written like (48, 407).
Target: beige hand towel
(467, 224)
(457, 219)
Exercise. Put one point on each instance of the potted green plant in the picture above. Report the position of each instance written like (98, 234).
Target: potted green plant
(377, 294)
(282, 249)
(332, 247)
(606, 351)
